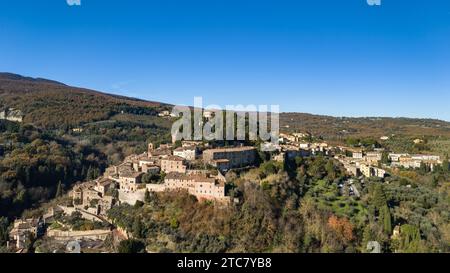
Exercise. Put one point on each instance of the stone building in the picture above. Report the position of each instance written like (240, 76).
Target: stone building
(129, 181)
(229, 158)
(201, 186)
(22, 229)
(173, 164)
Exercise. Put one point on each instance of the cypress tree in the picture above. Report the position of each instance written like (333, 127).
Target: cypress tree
(59, 190)
(387, 221)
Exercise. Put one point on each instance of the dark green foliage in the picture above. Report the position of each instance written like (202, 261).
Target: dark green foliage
(36, 163)
(59, 190)
(131, 246)
(4, 235)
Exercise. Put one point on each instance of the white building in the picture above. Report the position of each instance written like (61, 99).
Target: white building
(188, 153)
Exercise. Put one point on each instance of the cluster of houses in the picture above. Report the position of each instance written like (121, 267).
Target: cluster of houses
(369, 163)
(414, 161)
(184, 168)
(362, 163)
(125, 183)
(298, 144)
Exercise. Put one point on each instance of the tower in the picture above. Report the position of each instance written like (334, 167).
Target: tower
(151, 147)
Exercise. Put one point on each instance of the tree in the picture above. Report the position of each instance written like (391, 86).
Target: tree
(93, 173)
(385, 214)
(385, 158)
(378, 197)
(59, 190)
(3, 231)
(138, 204)
(131, 246)
(410, 241)
(329, 167)
(138, 228)
(147, 197)
(446, 164)
(342, 227)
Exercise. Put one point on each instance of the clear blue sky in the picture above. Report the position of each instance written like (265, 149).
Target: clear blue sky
(342, 58)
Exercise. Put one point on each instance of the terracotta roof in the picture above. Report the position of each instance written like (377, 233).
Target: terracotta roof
(130, 174)
(173, 158)
(194, 178)
(232, 149)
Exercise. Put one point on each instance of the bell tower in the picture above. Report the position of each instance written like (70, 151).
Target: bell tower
(151, 147)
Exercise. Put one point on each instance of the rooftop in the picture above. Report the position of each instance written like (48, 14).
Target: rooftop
(198, 178)
(231, 149)
(173, 158)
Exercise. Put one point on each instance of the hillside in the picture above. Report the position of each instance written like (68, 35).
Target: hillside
(51, 104)
(342, 127)
(303, 205)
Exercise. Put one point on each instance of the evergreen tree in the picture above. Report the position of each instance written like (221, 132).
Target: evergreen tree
(379, 197)
(93, 173)
(131, 246)
(410, 241)
(385, 158)
(387, 221)
(137, 228)
(4, 236)
(59, 190)
(147, 197)
(446, 164)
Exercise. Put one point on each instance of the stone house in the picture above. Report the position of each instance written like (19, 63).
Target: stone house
(237, 156)
(173, 164)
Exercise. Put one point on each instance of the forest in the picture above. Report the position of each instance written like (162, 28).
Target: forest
(33, 163)
(296, 207)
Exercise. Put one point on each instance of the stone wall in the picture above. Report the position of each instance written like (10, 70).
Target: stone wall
(99, 234)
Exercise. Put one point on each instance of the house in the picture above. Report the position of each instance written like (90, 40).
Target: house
(104, 185)
(352, 169)
(426, 157)
(373, 157)
(187, 152)
(208, 114)
(22, 229)
(164, 113)
(12, 114)
(357, 155)
(173, 164)
(305, 145)
(129, 181)
(162, 151)
(370, 171)
(150, 169)
(237, 156)
(189, 143)
(396, 157)
(201, 186)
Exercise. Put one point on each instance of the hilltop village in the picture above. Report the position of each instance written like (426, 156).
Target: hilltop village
(196, 168)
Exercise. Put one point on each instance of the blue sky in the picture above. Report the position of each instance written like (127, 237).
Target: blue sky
(342, 58)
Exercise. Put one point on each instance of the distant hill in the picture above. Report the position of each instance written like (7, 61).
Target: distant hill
(343, 127)
(51, 104)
